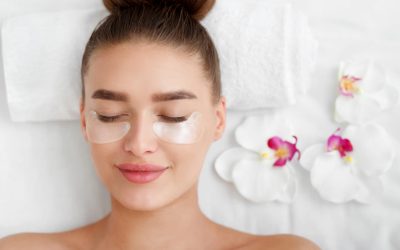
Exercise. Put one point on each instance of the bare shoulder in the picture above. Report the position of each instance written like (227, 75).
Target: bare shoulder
(240, 240)
(282, 242)
(32, 241)
(79, 238)
(76, 239)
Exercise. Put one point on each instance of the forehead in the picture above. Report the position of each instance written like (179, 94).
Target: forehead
(141, 69)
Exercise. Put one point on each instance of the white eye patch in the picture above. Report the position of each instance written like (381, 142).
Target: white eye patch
(102, 129)
(186, 132)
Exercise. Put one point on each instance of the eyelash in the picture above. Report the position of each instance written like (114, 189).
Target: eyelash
(109, 119)
(173, 119)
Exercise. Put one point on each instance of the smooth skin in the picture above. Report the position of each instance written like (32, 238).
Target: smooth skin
(162, 214)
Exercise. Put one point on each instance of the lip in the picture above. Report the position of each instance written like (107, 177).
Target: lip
(141, 173)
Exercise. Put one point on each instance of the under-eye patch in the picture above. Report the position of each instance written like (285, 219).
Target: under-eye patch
(186, 132)
(106, 129)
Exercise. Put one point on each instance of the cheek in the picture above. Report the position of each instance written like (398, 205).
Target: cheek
(191, 156)
(188, 159)
(102, 156)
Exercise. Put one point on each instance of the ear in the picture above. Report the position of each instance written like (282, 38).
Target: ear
(83, 119)
(221, 118)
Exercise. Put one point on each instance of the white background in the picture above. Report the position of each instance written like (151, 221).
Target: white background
(47, 182)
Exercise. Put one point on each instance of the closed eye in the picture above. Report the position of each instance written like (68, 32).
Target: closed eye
(104, 118)
(173, 119)
(169, 119)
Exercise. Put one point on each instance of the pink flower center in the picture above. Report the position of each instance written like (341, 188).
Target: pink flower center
(342, 145)
(349, 85)
(284, 150)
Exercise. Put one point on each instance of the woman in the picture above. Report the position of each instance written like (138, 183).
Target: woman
(151, 106)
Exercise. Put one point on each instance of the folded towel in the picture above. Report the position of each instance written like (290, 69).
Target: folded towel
(266, 50)
(42, 54)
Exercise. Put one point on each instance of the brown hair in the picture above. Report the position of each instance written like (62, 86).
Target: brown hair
(172, 22)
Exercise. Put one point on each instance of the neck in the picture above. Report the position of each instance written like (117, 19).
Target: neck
(180, 224)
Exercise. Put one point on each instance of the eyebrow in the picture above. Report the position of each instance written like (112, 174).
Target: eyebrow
(171, 96)
(109, 95)
(160, 97)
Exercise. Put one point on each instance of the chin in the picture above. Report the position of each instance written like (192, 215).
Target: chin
(143, 200)
(144, 206)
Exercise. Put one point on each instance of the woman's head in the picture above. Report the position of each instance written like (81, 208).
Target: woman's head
(168, 22)
(151, 95)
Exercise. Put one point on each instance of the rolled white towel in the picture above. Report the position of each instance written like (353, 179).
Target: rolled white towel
(266, 52)
(42, 54)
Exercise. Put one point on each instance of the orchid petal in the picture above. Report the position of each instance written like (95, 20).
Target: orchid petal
(387, 97)
(292, 149)
(225, 162)
(372, 74)
(347, 146)
(373, 150)
(253, 132)
(291, 187)
(310, 154)
(372, 187)
(356, 110)
(334, 179)
(259, 181)
(275, 142)
(333, 142)
(280, 162)
(353, 68)
(374, 78)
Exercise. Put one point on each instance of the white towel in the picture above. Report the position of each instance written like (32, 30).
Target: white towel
(267, 52)
(42, 55)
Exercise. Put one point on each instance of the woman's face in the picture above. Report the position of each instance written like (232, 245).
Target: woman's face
(147, 83)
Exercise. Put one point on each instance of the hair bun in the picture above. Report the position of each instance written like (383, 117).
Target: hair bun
(198, 9)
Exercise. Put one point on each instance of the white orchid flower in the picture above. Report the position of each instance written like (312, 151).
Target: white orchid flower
(349, 166)
(365, 91)
(261, 168)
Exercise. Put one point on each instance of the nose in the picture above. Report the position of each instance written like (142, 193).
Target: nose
(141, 139)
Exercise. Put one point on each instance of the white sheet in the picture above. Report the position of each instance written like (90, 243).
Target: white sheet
(47, 182)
